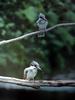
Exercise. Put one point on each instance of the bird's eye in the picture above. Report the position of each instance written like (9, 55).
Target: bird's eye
(35, 65)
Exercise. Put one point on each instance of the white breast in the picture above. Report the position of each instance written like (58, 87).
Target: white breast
(30, 72)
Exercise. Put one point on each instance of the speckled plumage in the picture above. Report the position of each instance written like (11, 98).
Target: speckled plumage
(42, 24)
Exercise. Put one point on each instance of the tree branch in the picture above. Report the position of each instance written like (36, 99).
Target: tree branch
(34, 33)
(37, 84)
(17, 89)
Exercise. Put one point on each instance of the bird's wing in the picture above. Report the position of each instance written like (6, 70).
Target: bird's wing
(25, 73)
(38, 21)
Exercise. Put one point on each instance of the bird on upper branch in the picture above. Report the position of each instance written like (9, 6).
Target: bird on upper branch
(31, 71)
(42, 23)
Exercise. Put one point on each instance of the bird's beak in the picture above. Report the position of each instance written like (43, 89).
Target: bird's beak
(39, 68)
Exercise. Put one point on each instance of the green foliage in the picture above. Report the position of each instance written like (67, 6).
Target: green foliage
(53, 18)
(2, 59)
(30, 13)
(70, 16)
(65, 36)
(1, 22)
(18, 17)
(61, 61)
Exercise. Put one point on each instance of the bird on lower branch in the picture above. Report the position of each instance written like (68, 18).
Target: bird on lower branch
(31, 72)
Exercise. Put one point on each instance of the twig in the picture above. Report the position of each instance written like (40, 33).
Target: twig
(34, 33)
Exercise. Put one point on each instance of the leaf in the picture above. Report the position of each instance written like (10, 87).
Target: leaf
(3, 59)
(20, 14)
(37, 1)
(12, 57)
(10, 25)
(3, 32)
(61, 61)
(30, 13)
(16, 34)
(43, 42)
(70, 16)
(1, 22)
(53, 18)
(65, 36)
(58, 43)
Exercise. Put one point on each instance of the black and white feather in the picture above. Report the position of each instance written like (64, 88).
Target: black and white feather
(31, 72)
(42, 24)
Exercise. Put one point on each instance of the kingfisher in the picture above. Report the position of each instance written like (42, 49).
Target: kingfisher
(42, 23)
(31, 71)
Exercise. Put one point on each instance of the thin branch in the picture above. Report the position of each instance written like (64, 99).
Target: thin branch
(59, 25)
(34, 33)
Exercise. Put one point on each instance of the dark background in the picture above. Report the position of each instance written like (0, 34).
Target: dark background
(55, 52)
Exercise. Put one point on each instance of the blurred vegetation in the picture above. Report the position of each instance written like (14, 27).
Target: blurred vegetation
(54, 52)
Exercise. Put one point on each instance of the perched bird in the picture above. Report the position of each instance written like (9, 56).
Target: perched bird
(42, 24)
(31, 72)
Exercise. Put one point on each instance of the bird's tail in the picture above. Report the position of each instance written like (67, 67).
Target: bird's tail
(41, 34)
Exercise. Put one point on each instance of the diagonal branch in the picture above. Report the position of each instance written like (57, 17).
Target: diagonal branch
(34, 33)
